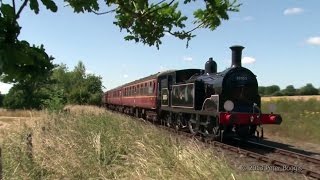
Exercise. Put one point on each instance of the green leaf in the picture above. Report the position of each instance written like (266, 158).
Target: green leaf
(34, 5)
(128, 38)
(50, 5)
(7, 11)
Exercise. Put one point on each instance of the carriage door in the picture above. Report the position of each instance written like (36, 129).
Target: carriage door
(163, 91)
(169, 89)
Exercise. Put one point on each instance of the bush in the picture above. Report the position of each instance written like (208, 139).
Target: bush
(289, 91)
(278, 93)
(14, 99)
(55, 102)
(308, 90)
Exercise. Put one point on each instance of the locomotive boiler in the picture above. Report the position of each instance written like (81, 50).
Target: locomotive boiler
(207, 102)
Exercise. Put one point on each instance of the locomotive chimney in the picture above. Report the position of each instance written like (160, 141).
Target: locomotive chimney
(236, 55)
(210, 66)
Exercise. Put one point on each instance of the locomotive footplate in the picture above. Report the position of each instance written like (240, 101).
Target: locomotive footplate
(227, 118)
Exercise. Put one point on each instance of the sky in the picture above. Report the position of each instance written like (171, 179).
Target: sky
(281, 40)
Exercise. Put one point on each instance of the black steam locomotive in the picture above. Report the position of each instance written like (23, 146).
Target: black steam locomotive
(214, 104)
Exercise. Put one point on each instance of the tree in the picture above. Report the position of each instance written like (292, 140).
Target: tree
(17, 58)
(147, 22)
(261, 90)
(308, 89)
(269, 90)
(289, 91)
(77, 86)
(29, 93)
(143, 20)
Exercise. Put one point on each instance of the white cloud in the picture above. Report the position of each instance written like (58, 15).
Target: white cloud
(248, 60)
(248, 18)
(314, 41)
(292, 11)
(187, 58)
(125, 76)
(4, 88)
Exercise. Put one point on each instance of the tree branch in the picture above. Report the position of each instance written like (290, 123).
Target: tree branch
(13, 5)
(157, 4)
(195, 28)
(157, 9)
(21, 8)
(122, 6)
(101, 13)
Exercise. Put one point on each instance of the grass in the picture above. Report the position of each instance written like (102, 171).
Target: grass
(302, 98)
(301, 119)
(92, 143)
(19, 113)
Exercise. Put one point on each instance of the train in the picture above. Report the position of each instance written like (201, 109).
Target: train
(213, 104)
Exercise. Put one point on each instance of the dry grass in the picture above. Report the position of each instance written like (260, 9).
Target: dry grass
(16, 120)
(296, 98)
(91, 143)
(19, 113)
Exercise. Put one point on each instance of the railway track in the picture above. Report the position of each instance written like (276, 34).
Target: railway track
(292, 161)
(283, 152)
(274, 164)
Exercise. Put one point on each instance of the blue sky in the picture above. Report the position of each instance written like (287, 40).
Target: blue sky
(281, 39)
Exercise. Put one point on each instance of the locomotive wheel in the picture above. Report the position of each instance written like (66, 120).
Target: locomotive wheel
(169, 121)
(193, 126)
(180, 122)
(177, 124)
(215, 132)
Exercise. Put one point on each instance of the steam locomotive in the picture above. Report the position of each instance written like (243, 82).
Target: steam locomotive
(213, 104)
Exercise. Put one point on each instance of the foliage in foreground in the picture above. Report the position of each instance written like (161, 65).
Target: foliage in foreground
(143, 20)
(300, 119)
(103, 145)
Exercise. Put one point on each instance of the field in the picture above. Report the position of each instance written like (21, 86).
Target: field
(301, 118)
(91, 143)
(297, 98)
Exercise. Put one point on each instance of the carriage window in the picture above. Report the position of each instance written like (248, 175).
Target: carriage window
(138, 89)
(150, 88)
(141, 89)
(145, 88)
